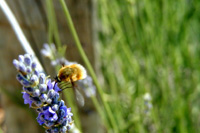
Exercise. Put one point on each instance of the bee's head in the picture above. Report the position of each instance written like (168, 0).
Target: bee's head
(57, 79)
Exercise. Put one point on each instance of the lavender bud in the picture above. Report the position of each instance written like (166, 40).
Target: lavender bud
(16, 63)
(21, 58)
(28, 70)
(33, 65)
(36, 93)
(62, 103)
(22, 67)
(55, 107)
(51, 94)
(19, 77)
(27, 59)
(25, 83)
(43, 97)
(42, 78)
(34, 78)
(49, 101)
(46, 46)
(36, 72)
(43, 87)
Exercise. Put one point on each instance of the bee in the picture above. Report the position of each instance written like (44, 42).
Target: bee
(68, 75)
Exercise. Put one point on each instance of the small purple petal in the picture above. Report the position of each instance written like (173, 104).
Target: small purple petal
(50, 115)
(49, 85)
(27, 99)
(40, 118)
(63, 111)
(56, 88)
(69, 112)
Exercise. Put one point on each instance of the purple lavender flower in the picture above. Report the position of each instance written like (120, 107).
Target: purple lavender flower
(48, 50)
(42, 95)
(27, 99)
(50, 115)
(40, 118)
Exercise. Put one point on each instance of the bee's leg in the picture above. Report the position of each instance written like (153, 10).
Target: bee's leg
(64, 85)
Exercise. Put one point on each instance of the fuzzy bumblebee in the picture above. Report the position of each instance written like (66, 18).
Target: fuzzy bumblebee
(66, 77)
(71, 73)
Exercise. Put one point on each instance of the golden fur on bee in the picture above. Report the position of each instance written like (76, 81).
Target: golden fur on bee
(71, 73)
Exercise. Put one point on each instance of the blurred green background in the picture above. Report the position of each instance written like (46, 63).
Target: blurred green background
(145, 47)
(152, 46)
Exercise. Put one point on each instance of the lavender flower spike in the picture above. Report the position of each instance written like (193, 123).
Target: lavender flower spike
(42, 95)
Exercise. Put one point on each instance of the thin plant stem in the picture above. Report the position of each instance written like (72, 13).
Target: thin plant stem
(50, 28)
(88, 65)
(69, 95)
(52, 23)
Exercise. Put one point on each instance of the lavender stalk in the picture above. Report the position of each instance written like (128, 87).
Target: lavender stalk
(43, 95)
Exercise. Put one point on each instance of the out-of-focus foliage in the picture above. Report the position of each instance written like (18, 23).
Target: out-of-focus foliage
(151, 46)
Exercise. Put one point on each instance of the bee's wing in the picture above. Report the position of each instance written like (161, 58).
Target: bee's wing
(79, 97)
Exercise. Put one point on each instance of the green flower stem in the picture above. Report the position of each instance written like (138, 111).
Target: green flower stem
(50, 28)
(89, 67)
(69, 95)
(53, 29)
(100, 111)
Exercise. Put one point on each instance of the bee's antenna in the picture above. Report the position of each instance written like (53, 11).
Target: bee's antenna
(63, 64)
